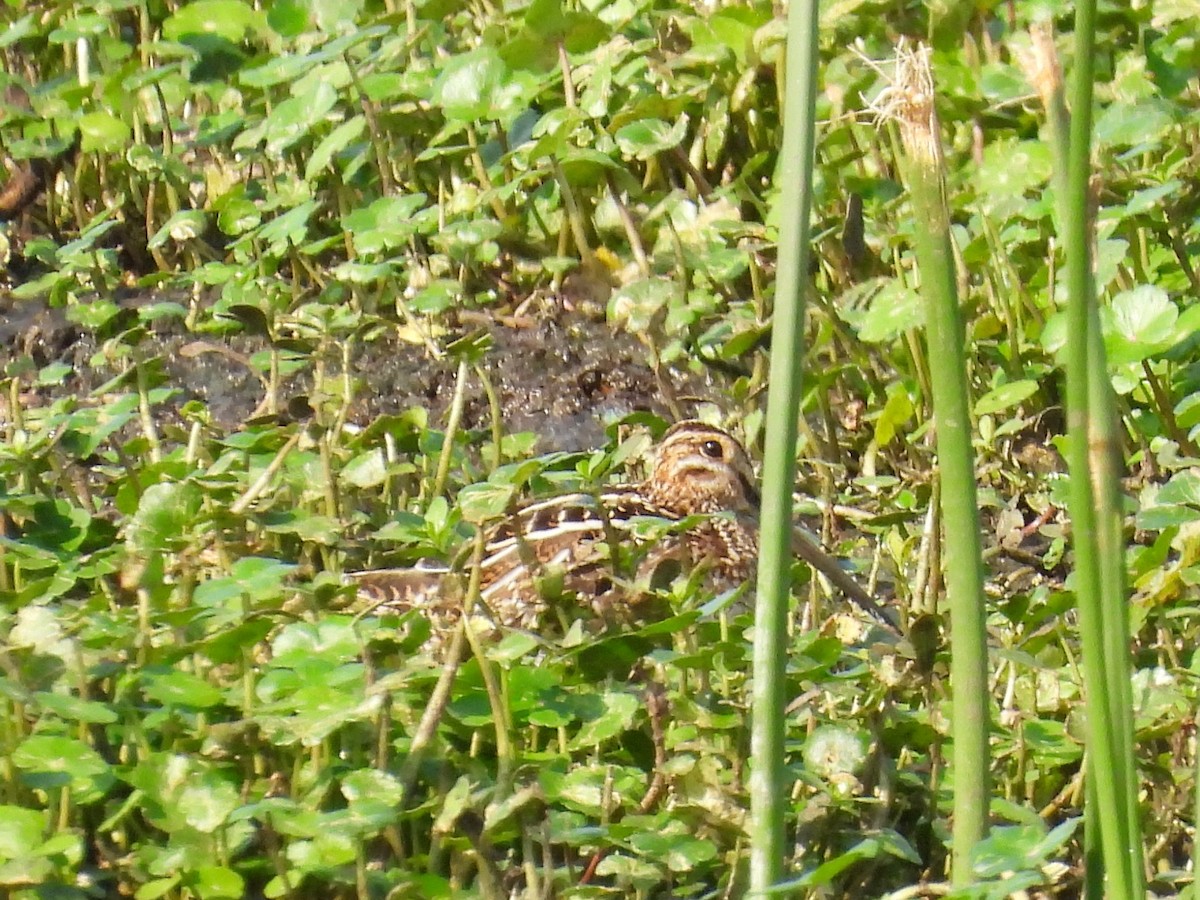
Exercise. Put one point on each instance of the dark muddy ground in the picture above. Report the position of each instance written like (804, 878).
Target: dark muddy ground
(561, 374)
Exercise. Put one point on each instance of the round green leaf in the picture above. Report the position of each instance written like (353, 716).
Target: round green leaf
(627, 868)
(331, 640)
(103, 132)
(337, 16)
(1005, 396)
(304, 525)
(332, 144)
(230, 19)
(1134, 123)
(206, 801)
(1184, 487)
(679, 852)
(1140, 323)
(1144, 315)
(164, 516)
(649, 137)
(79, 27)
(1187, 411)
(635, 305)
(729, 30)
(76, 709)
(185, 225)
(288, 18)
(466, 88)
(584, 32)
(1159, 518)
(585, 167)
(372, 784)
(84, 768)
(1017, 848)
(1009, 169)
(894, 310)
(20, 831)
(484, 502)
(295, 117)
(385, 224)
(181, 689)
(238, 216)
(366, 470)
(617, 717)
(157, 887)
(545, 19)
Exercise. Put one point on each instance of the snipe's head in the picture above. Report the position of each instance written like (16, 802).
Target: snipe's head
(700, 468)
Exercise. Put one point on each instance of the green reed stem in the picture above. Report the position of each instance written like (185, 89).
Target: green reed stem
(1095, 509)
(769, 788)
(970, 695)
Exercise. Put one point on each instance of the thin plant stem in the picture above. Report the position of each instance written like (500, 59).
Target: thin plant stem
(149, 429)
(574, 216)
(481, 172)
(495, 414)
(912, 102)
(261, 483)
(426, 729)
(768, 780)
(452, 423)
(1099, 576)
(378, 135)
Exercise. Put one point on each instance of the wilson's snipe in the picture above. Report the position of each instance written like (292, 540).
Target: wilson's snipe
(701, 484)
(594, 547)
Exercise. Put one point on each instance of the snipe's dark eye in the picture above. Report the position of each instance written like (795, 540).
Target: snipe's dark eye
(712, 449)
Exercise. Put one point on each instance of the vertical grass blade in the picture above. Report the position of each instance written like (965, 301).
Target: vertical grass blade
(1095, 510)
(1112, 820)
(768, 785)
(912, 101)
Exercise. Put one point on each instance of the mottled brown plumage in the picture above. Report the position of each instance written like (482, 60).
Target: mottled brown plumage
(595, 548)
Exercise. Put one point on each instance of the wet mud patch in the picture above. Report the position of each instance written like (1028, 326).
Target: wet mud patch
(561, 375)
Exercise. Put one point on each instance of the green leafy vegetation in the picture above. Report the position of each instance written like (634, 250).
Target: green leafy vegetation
(281, 280)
